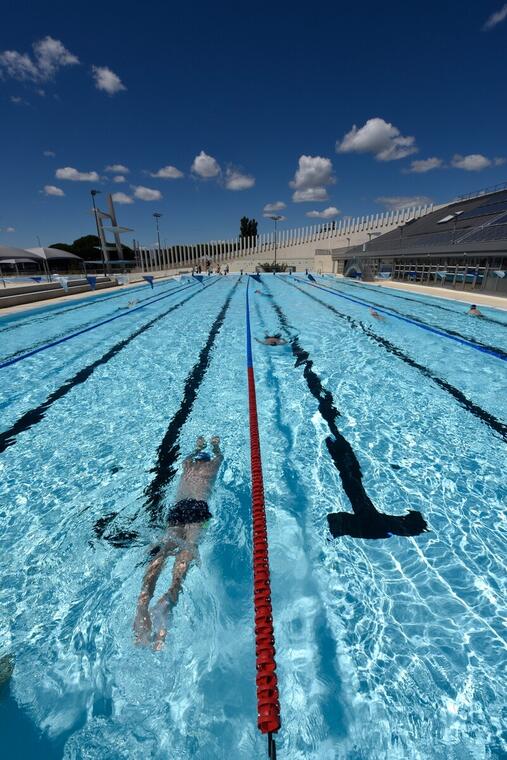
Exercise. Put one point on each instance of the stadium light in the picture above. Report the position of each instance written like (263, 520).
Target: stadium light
(276, 218)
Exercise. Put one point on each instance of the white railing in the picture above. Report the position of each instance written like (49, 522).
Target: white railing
(218, 251)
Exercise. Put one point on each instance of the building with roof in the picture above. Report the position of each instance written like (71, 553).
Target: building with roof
(463, 242)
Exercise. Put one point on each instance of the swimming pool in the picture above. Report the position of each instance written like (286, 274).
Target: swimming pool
(387, 648)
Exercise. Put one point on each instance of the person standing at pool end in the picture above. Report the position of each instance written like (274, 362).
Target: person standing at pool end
(185, 522)
(474, 311)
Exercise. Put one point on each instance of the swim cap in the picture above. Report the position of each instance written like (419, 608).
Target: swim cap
(202, 456)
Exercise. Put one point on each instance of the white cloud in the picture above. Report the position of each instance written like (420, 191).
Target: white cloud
(147, 194)
(53, 190)
(328, 213)
(471, 163)
(49, 56)
(394, 202)
(49, 154)
(496, 18)
(124, 198)
(236, 180)
(68, 172)
(312, 194)
(425, 165)
(499, 161)
(378, 137)
(117, 169)
(107, 80)
(17, 100)
(119, 178)
(10, 229)
(205, 166)
(167, 172)
(312, 171)
(271, 208)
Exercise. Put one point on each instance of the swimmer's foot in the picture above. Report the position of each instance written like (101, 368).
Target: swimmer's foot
(142, 626)
(142, 623)
(160, 614)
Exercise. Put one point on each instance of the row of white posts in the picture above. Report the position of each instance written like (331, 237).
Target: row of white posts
(221, 251)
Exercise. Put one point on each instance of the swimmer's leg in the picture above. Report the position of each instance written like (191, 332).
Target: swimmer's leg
(182, 562)
(142, 622)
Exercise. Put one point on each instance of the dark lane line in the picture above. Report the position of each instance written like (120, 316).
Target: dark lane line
(35, 415)
(390, 294)
(168, 451)
(367, 521)
(53, 343)
(81, 326)
(90, 302)
(481, 414)
(418, 320)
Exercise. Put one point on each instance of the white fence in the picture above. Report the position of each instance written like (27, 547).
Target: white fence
(219, 251)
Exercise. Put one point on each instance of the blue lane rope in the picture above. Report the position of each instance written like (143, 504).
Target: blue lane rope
(434, 330)
(53, 343)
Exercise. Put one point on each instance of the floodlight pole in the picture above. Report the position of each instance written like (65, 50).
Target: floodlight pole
(93, 193)
(157, 217)
(276, 218)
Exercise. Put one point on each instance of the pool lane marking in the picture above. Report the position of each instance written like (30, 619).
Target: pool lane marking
(54, 343)
(268, 705)
(366, 522)
(84, 324)
(494, 423)
(499, 351)
(428, 328)
(168, 451)
(58, 309)
(391, 293)
(35, 415)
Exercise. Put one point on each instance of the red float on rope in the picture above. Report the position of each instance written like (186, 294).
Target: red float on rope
(268, 706)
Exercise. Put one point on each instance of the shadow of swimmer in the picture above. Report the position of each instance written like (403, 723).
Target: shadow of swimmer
(366, 521)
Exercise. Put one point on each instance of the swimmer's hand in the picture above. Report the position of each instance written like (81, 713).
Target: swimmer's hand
(200, 443)
(215, 443)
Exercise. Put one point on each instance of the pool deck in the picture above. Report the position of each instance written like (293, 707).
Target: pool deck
(25, 307)
(462, 296)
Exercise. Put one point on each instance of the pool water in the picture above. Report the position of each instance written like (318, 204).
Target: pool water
(386, 648)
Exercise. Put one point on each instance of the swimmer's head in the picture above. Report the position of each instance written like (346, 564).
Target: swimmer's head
(473, 306)
(202, 456)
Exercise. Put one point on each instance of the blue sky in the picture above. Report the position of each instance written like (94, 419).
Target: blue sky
(326, 109)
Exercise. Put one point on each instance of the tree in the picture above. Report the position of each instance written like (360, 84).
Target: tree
(247, 227)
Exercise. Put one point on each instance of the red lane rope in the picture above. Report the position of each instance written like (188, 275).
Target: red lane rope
(268, 706)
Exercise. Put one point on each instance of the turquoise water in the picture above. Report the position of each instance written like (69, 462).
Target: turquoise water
(392, 648)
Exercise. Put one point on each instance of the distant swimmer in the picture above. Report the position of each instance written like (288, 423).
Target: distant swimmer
(185, 522)
(130, 305)
(262, 293)
(272, 340)
(474, 311)
(376, 315)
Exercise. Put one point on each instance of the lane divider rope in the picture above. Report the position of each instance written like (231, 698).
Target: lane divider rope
(53, 343)
(434, 330)
(268, 706)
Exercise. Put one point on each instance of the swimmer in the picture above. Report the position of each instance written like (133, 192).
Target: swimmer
(185, 522)
(130, 305)
(261, 293)
(272, 340)
(376, 315)
(474, 311)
